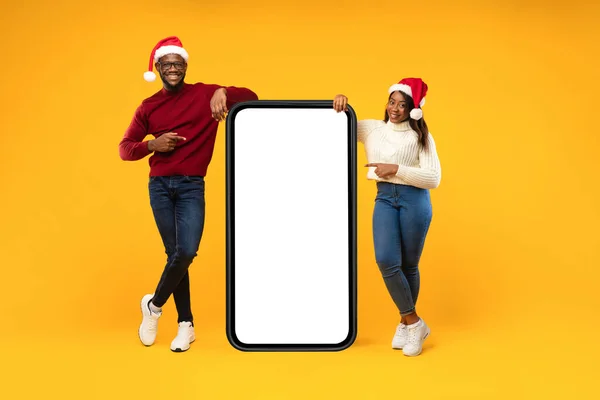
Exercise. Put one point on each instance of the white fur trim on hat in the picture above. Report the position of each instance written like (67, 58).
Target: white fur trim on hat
(402, 87)
(170, 49)
(406, 89)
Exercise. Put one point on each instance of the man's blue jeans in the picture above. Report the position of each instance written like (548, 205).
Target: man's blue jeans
(401, 219)
(178, 206)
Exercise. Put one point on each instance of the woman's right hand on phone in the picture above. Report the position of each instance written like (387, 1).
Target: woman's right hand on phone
(340, 103)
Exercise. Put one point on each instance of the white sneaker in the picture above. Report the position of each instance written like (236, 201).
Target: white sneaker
(416, 334)
(399, 340)
(149, 325)
(185, 336)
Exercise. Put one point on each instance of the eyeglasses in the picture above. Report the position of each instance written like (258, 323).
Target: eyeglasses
(167, 66)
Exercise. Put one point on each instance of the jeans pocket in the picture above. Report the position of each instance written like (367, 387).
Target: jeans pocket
(194, 179)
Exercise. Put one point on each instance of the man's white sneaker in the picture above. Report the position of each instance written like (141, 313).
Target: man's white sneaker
(399, 340)
(149, 325)
(416, 334)
(185, 336)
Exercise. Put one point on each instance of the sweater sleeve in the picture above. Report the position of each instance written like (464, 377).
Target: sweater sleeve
(132, 147)
(364, 127)
(234, 94)
(239, 94)
(429, 174)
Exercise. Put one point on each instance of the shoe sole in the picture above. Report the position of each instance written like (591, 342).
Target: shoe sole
(180, 350)
(397, 347)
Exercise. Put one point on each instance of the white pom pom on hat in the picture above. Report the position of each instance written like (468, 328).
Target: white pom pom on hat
(168, 45)
(149, 76)
(415, 88)
(416, 113)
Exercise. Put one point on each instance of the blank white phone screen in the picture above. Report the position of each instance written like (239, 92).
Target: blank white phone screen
(291, 226)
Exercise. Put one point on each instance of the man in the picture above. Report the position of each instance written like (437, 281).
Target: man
(183, 118)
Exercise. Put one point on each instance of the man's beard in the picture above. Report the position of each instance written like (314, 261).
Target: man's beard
(172, 87)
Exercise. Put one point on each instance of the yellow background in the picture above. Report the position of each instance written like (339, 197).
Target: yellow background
(510, 269)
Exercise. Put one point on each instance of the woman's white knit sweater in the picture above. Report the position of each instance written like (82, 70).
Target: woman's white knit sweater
(398, 144)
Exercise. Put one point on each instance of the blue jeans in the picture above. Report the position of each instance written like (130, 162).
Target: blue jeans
(178, 206)
(401, 219)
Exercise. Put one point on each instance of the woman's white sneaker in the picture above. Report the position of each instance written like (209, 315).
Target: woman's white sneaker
(185, 336)
(416, 334)
(149, 325)
(399, 340)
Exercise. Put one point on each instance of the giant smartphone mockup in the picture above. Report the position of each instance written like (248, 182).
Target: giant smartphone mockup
(291, 226)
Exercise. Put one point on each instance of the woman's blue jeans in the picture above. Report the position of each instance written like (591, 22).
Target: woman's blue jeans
(401, 219)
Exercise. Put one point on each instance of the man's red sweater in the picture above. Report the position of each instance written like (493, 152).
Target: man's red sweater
(187, 113)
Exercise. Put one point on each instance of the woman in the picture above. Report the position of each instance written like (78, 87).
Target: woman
(402, 159)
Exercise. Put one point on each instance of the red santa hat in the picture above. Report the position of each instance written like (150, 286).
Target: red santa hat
(415, 88)
(169, 45)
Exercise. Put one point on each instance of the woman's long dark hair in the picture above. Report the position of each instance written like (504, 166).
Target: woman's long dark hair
(419, 126)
